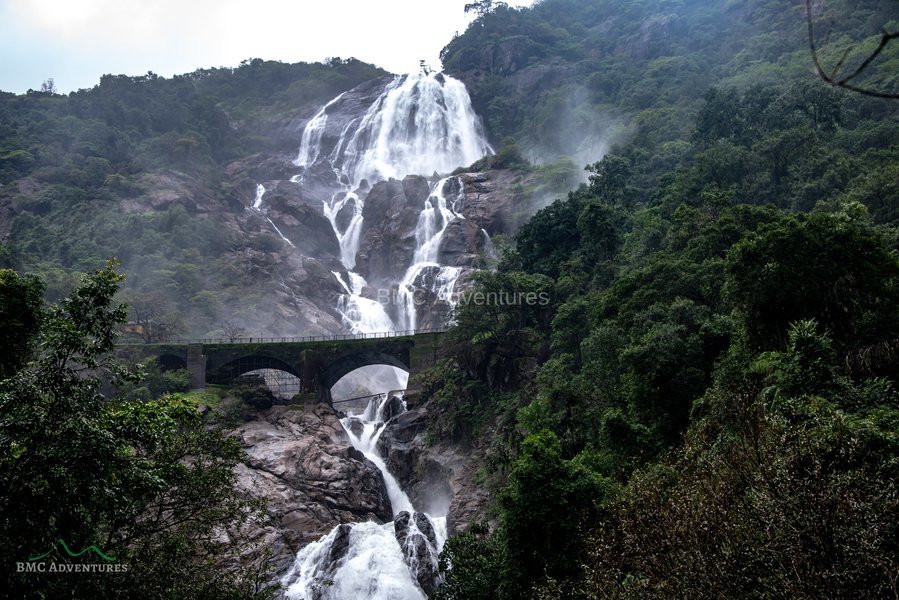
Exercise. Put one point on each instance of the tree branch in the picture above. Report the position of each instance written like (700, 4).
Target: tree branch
(844, 82)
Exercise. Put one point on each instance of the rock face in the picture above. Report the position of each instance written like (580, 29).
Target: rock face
(392, 408)
(388, 231)
(464, 244)
(493, 202)
(439, 479)
(303, 225)
(418, 541)
(490, 203)
(301, 462)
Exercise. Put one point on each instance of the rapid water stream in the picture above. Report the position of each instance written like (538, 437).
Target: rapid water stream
(416, 125)
(370, 560)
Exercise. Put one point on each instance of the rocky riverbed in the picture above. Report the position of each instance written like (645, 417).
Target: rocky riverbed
(300, 461)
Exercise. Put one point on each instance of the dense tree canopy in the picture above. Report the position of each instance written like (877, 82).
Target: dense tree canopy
(145, 482)
(723, 325)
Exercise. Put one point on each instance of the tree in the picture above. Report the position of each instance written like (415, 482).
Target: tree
(818, 267)
(49, 86)
(790, 492)
(21, 309)
(549, 238)
(483, 7)
(471, 564)
(144, 482)
(233, 331)
(609, 179)
(501, 326)
(157, 319)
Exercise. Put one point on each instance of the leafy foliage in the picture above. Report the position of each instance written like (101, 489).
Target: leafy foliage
(722, 335)
(21, 311)
(145, 481)
(797, 496)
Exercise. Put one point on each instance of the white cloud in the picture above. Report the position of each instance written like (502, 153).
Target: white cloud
(76, 41)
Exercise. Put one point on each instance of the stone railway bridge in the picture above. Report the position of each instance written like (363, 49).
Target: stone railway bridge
(317, 361)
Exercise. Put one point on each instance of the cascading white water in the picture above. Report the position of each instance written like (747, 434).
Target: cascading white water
(257, 206)
(361, 314)
(419, 124)
(260, 192)
(349, 237)
(432, 223)
(310, 143)
(367, 443)
(369, 562)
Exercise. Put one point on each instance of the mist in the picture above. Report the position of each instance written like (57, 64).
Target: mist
(578, 129)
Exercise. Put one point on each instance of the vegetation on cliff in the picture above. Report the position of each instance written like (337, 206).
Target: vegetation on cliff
(135, 168)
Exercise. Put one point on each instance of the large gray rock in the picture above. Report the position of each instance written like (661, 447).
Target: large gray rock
(494, 200)
(257, 168)
(464, 244)
(439, 479)
(345, 215)
(302, 464)
(388, 232)
(393, 407)
(304, 225)
(418, 542)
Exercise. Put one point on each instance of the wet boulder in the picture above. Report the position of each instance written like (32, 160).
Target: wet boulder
(418, 541)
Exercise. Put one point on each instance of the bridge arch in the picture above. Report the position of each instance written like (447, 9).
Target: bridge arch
(171, 362)
(339, 368)
(231, 370)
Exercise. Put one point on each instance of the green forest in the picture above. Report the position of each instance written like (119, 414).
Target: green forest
(706, 408)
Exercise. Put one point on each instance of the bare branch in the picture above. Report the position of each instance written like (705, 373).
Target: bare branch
(844, 82)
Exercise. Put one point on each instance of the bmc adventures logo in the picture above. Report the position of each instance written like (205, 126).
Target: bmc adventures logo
(46, 562)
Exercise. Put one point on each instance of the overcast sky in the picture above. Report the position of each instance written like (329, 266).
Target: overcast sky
(77, 41)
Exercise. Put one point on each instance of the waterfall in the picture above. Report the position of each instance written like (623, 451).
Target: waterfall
(417, 124)
(257, 202)
(436, 214)
(361, 314)
(414, 125)
(348, 238)
(369, 560)
(257, 206)
(312, 135)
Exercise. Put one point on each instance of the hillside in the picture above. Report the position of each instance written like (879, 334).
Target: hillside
(581, 79)
(168, 176)
(149, 170)
(707, 406)
(693, 394)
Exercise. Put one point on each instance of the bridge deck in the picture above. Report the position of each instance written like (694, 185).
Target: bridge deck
(291, 340)
(318, 362)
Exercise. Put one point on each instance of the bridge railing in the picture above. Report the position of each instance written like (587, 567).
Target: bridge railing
(308, 338)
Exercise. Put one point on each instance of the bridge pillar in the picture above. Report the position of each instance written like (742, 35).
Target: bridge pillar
(196, 366)
(324, 393)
